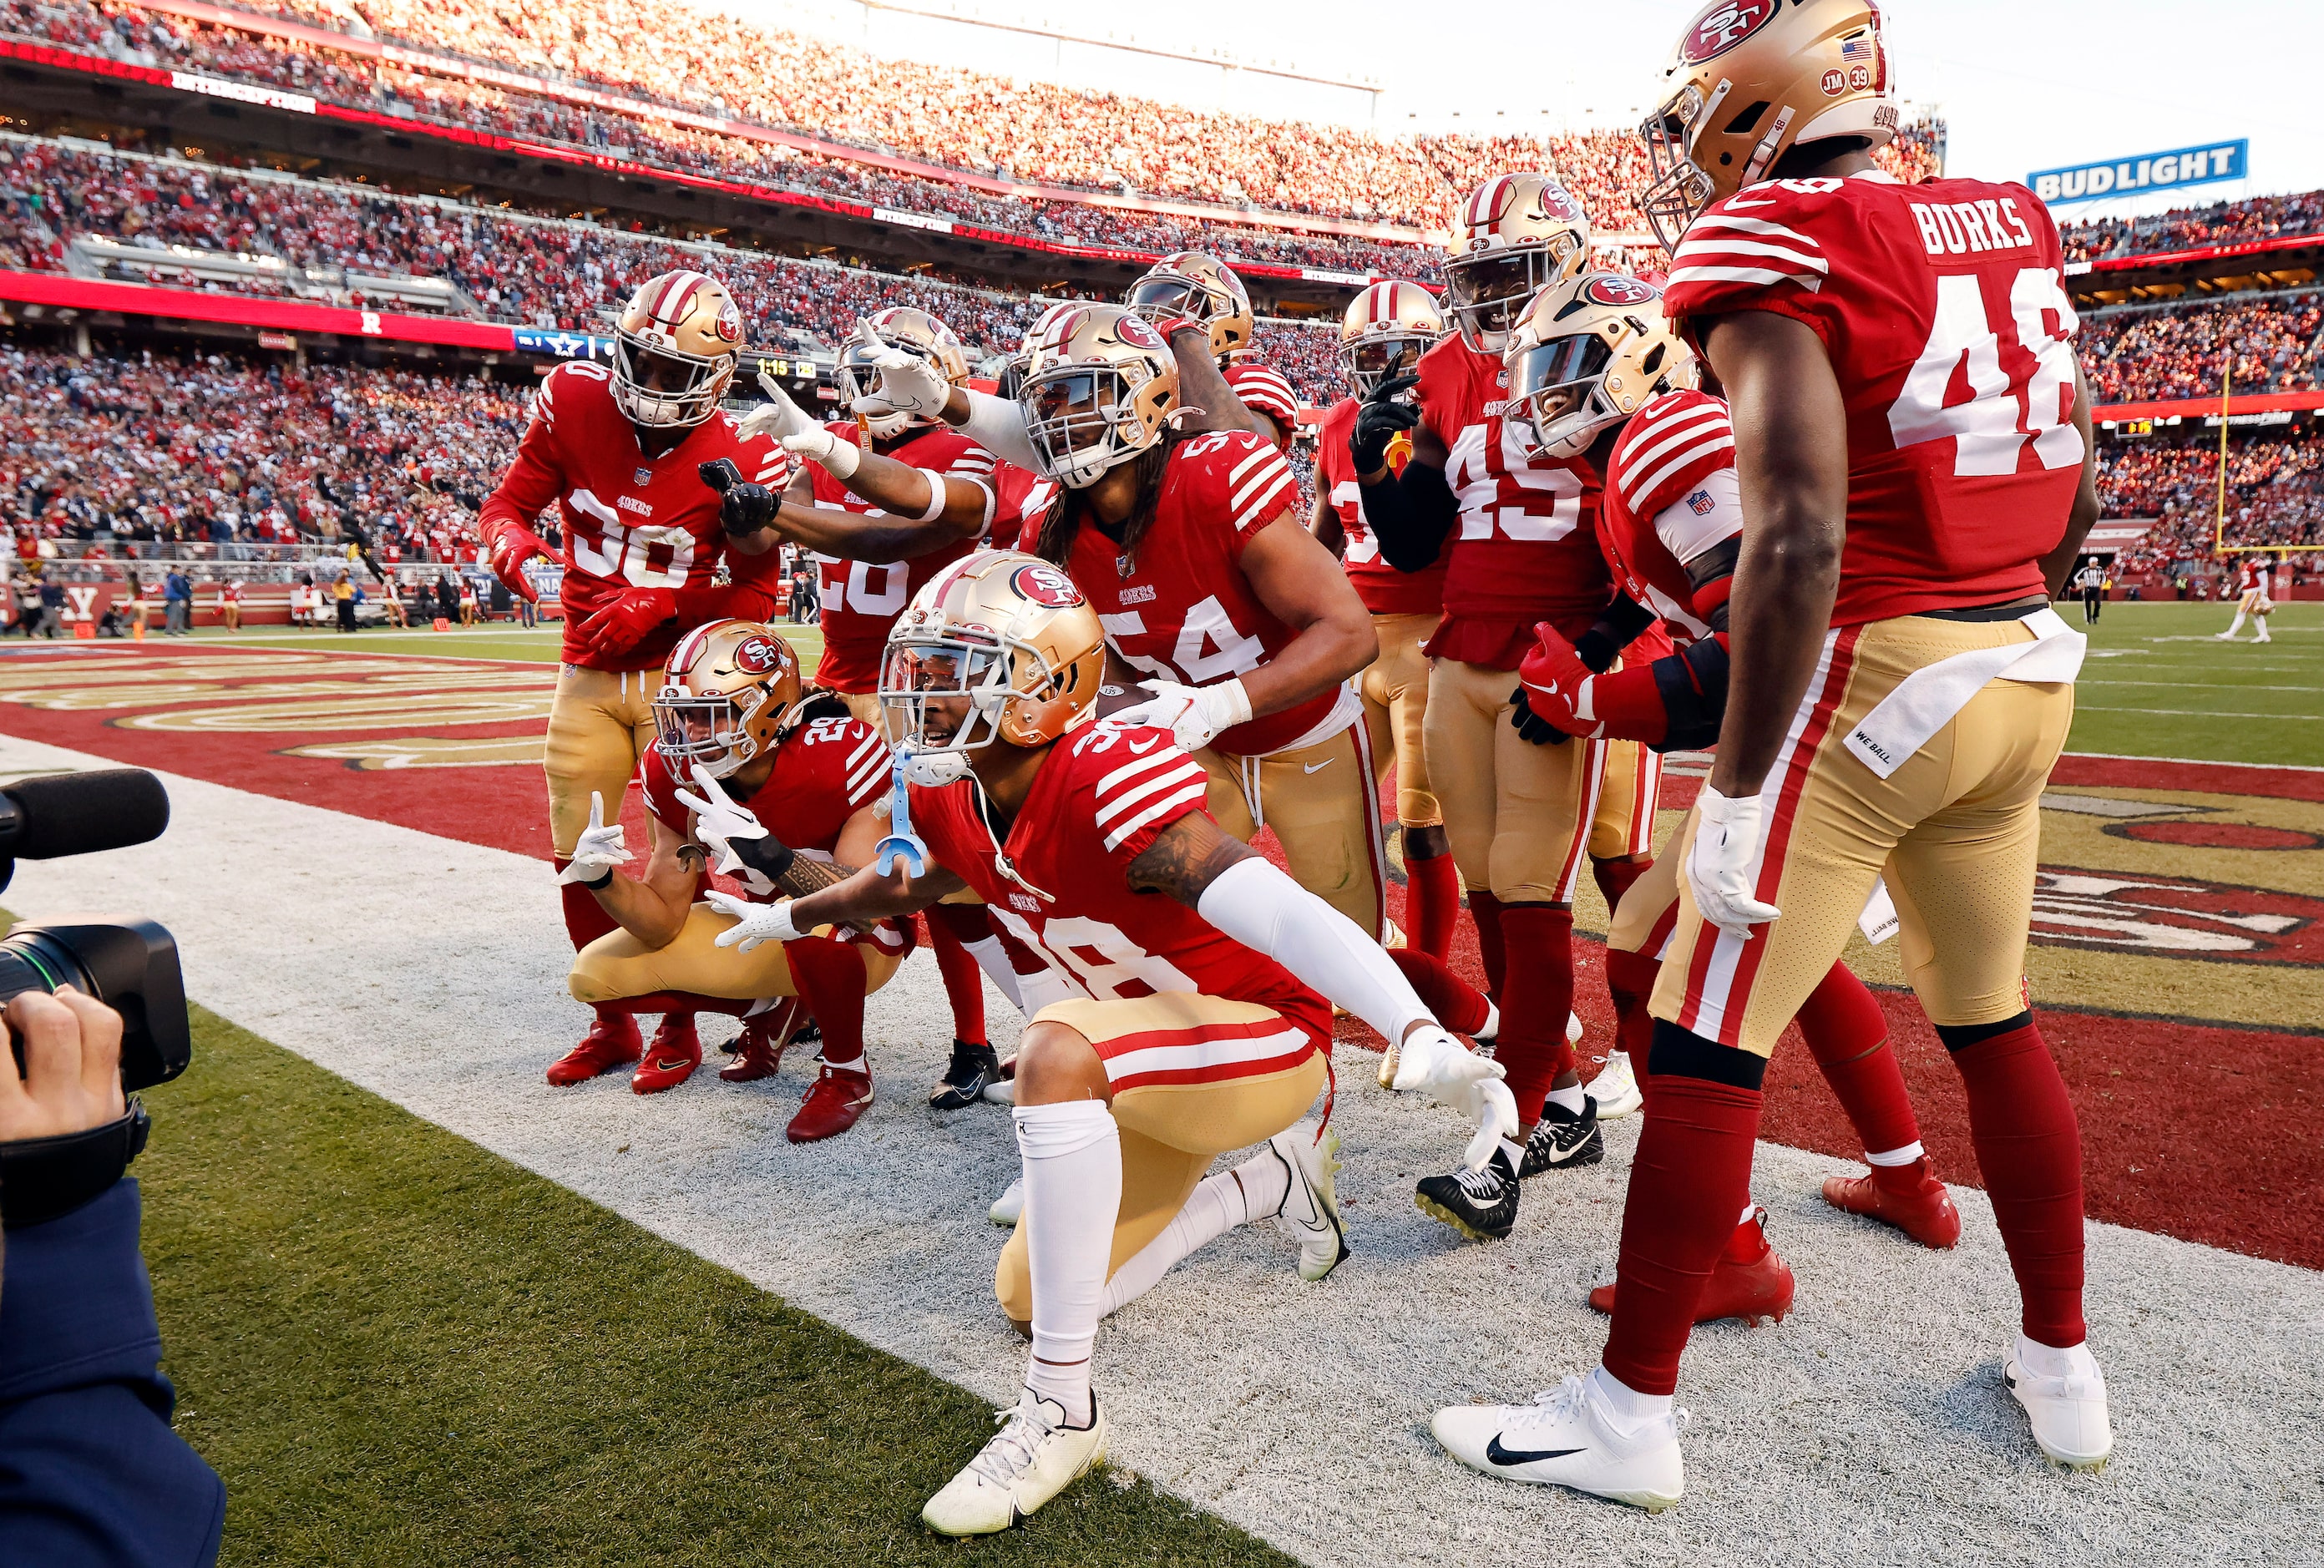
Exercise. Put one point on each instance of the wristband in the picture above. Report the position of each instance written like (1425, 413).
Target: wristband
(842, 459)
(601, 883)
(935, 494)
(47, 1178)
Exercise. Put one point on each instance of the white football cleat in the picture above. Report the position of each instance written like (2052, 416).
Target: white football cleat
(1310, 1214)
(1033, 1458)
(1568, 1438)
(1009, 1206)
(1616, 1087)
(2069, 1413)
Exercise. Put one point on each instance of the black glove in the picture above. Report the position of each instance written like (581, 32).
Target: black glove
(742, 509)
(769, 856)
(1530, 726)
(1378, 421)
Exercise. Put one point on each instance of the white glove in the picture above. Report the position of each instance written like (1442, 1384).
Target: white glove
(717, 819)
(1432, 1061)
(753, 923)
(1194, 716)
(599, 849)
(1727, 833)
(777, 416)
(838, 457)
(905, 384)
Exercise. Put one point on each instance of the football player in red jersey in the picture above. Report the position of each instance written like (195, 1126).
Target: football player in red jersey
(1912, 433)
(1182, 1010)
(2255, 577)
(1190, 292)
(1385, 331)
(1264, 393)
(1523, 814)
(617, 454)
(1671, 523)
(887, 501)
(777, 787)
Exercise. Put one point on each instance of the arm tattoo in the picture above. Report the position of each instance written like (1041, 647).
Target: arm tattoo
(812, 876)
(1191, 854)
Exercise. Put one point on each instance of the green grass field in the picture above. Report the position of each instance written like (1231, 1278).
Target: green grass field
(2156, 684)
(400, 1348)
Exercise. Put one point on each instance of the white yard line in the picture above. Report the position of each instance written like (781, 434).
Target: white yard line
(1872, 1426)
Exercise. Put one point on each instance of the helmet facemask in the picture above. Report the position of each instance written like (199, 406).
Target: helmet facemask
(644, 372)
(988, 679)
(708, 730)
(1680, 189)
(1083, 420)
(1383, 356)
(1557, 397)
(1486, 292)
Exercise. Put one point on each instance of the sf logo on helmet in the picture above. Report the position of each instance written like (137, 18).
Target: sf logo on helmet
(1620, 290)
(1047, 585)
(758, 655)
(1725, 25)
(1134, 331)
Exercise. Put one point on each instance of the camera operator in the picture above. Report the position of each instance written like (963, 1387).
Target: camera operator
(90, 1473)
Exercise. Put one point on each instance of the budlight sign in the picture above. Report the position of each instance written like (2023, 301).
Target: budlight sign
(2207, 163)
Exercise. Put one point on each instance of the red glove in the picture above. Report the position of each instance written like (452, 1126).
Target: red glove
(1558, 684)
(623, 625)
(512, 548)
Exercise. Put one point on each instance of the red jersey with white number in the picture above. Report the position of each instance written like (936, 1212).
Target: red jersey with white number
(1102, 795)
(2254, 578)
(1183, 611)
(862, 599)
(1941, 308)
(1384, 590)
(1669, 499)
(629, 520)
(826, 772)
(1525, 548)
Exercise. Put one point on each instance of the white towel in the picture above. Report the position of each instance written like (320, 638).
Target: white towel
(1926, 700)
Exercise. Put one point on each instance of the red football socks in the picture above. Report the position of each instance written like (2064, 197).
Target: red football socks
(1432, 901)
(830, 979)
(949, 925)
(1539, 995)
(1630, 982)
(2030, 1151)
(1486, 911)
(1458, 1005)
(1690, 1178)
(1848, 1035)
(585, 919)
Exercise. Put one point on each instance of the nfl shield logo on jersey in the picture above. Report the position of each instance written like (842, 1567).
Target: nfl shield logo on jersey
(642, 477)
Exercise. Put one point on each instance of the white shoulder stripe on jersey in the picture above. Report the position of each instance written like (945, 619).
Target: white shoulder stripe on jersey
(1190, 796)
(1758, 226)
(1171, 780)
(1721, 443)
(1635, 462)
(1260, 456)
(1265, 507)
(873, 740)
(1808, 281)
(1266, 477)
(1154, 760)
(1745, 250)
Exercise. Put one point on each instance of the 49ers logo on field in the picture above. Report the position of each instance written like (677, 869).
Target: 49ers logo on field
(1612, 290)
(1047, 585)
(760, 655)
(1724, 26)
(2175, 918)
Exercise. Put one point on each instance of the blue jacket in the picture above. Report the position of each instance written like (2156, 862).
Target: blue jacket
(90, 1473)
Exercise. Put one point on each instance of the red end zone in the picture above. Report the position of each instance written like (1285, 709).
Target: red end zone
(451, 747)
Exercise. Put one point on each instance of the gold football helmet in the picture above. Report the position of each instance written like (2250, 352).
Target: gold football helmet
(1517, 234)
(1100, 387)
(1006, 636)
(676, 350)
(1387, 329)
(729, 691)
(1587, 352)
(917, 333)
(1202, 288)
(1749, 80)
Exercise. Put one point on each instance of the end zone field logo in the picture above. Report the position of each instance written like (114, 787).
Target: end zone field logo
(2175, 918)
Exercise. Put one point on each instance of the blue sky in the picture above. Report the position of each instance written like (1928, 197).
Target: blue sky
(2025, 83)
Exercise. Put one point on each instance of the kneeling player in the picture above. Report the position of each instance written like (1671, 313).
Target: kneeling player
(1174, 1028)
(776, 787)
(1671, 526)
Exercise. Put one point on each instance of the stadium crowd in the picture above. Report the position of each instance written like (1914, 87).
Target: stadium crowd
(2181, 350)
(2223, 223)
(215, 451)
(2276, 496)
(962, 119)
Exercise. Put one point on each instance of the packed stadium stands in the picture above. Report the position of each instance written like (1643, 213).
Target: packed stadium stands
(2182, 349)
(2185, 228)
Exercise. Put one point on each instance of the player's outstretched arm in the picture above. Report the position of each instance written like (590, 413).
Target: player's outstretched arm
(864, 898)
(850, 536)
(651, 908)
(1791, 460)
(948, 507)
(2060, 562)
(1211, 404)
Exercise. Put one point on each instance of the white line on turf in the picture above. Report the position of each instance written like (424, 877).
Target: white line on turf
(1872, 1426)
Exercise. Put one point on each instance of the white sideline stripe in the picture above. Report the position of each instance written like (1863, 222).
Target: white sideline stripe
(1891, 1359)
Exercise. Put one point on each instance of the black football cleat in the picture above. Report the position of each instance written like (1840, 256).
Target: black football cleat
(963, 1082)
(1481, 1205)
(1564, 1138)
